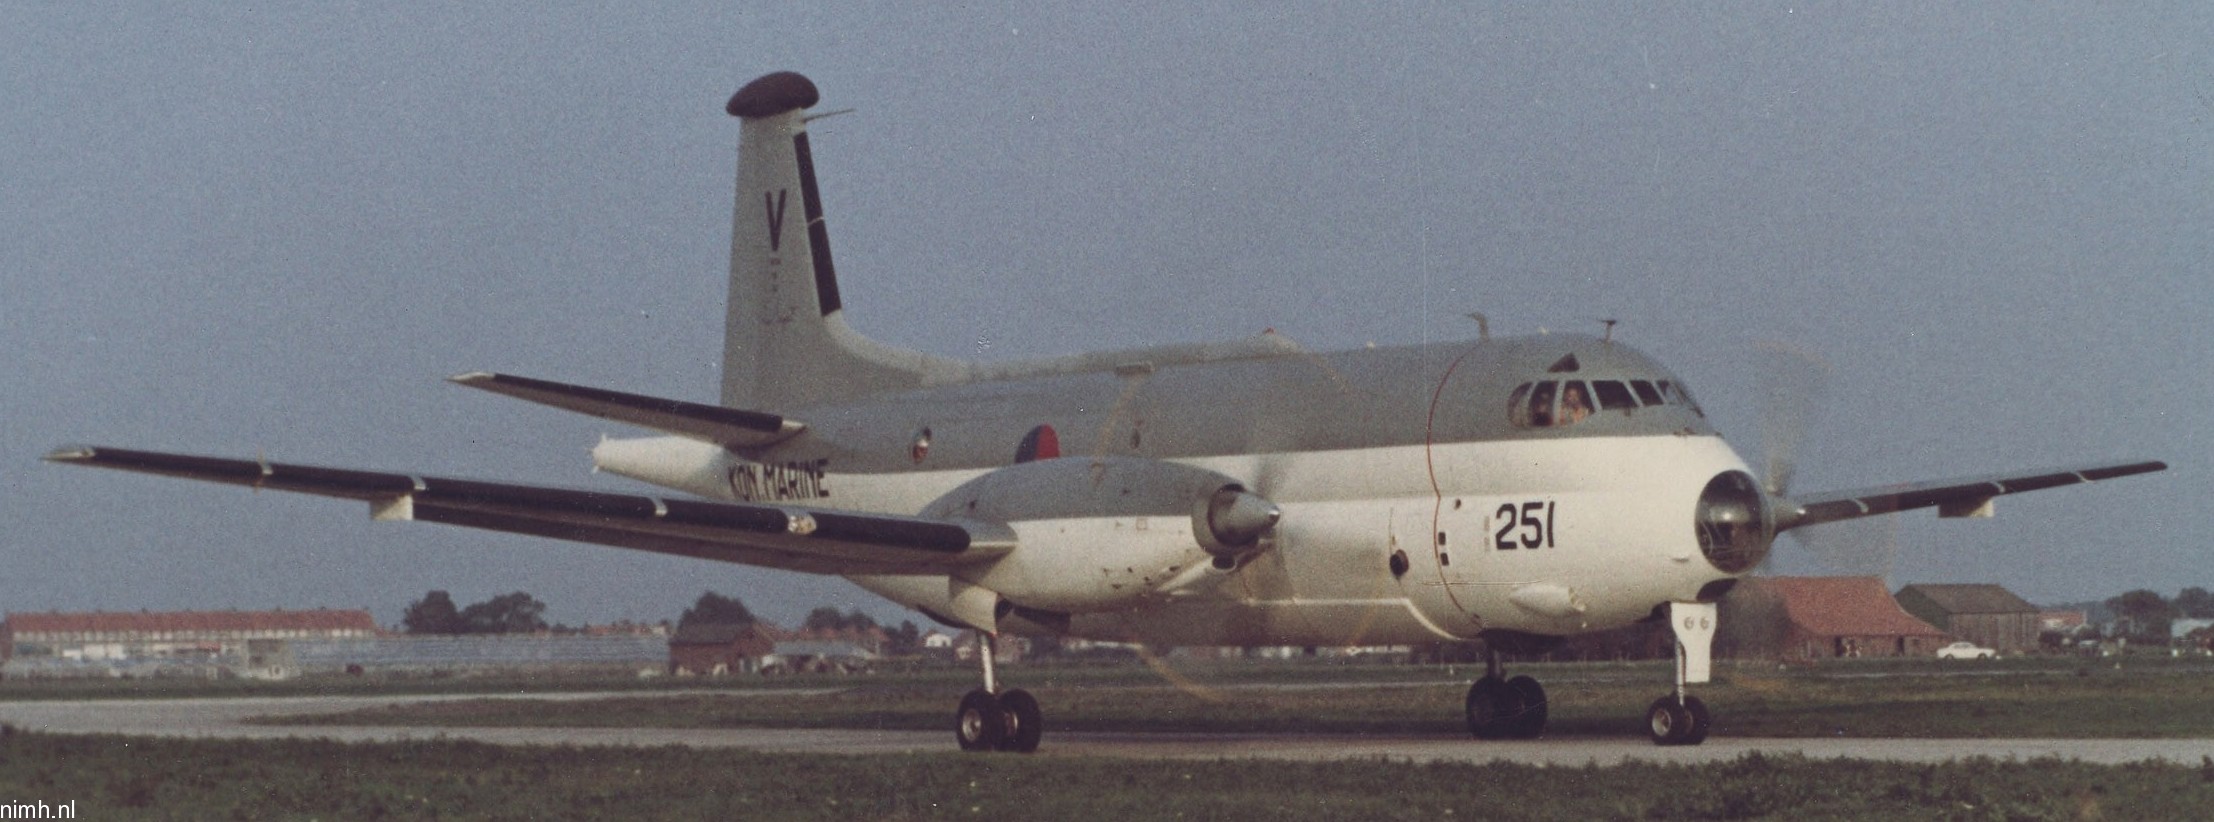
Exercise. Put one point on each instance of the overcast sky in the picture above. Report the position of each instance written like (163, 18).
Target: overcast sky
(275, 231)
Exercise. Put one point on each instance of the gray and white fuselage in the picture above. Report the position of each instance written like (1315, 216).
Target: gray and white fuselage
(1498, 522)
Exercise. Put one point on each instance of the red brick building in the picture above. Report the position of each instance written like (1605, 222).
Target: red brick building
(1826, 618)
(714, 649)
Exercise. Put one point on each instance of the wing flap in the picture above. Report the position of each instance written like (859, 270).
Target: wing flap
(708, 423)
(812, 540)
(1970, 496)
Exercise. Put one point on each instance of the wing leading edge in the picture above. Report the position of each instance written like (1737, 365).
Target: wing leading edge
(1965, 497)
(793, 538)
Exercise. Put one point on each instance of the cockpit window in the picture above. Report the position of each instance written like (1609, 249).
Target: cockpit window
(1646, 393)
(1518, 411)
(1541, 404)
(1553, 403)
(1575, 404)
(1613, 395)
(1676, 394)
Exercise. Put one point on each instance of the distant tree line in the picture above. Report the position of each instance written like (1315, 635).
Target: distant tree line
(715, 608)
(435, 614)
(2145, 616)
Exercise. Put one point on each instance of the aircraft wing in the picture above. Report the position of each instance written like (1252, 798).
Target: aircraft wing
(794, 538)
(1966, 497)
(707, 423)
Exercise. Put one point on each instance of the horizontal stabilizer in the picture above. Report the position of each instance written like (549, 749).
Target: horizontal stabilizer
(1969, 496)
(708, 423)
(794, 538)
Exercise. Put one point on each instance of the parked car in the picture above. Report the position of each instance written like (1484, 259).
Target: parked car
(1966, 650)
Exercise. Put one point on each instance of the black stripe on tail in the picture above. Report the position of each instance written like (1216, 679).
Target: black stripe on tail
(818, 234)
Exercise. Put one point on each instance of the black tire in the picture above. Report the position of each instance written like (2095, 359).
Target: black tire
(1483, 708)
(1024, 723)
(1529, 722)
(1668, 721)
(978, 725)
(1492, 709)
(1701, 721)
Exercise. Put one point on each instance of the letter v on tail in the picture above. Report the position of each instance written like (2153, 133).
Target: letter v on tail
(774, 205)
(787, 344)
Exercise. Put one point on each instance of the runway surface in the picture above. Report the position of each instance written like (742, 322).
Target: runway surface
(225, 718)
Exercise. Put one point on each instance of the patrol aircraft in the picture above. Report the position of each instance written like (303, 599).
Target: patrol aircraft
(1247, 493)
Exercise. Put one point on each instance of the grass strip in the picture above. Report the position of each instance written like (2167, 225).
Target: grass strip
(119, 777)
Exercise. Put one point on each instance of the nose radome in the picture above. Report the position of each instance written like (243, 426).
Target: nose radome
(1732, 523)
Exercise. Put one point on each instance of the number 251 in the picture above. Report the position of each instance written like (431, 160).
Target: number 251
(1529, 525)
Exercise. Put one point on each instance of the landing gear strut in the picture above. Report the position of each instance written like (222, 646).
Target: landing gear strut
(989, 720)
(1500, 708)
(1679, 718)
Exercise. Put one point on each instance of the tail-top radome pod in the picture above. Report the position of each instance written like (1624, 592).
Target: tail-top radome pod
(787, 345)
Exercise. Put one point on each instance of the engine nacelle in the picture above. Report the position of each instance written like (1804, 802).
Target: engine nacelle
(1106, 533)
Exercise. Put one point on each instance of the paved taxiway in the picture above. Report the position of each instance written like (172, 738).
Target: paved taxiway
(226, 718)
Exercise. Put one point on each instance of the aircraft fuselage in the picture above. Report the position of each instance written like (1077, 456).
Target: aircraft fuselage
(1418, 506)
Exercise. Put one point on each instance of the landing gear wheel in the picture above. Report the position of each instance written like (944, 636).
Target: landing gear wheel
(1494, 708)
(1022, 722)
(1668, 722)
(1483, 708)
(1701, 721)
(1679, 723)
(979, 724)
(1529, 723)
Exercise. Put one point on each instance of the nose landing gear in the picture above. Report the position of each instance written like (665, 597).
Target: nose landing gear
(1679, 718)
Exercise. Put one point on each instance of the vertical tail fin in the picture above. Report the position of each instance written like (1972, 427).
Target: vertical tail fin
(786, 344)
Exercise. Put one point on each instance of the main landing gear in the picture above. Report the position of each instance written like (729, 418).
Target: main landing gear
(989, 720)
(1500, 708)
(1679, 718)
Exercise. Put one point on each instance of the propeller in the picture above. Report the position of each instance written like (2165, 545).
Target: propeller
(1868, 546)
(1231, 521)
(1793, 383)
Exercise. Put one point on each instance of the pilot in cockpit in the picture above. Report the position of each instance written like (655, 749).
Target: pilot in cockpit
(1574, 405)
(1541, 406)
